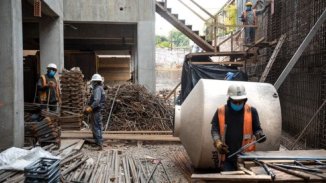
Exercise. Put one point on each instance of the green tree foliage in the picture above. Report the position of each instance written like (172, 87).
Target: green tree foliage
(162, 41)
(176, 37)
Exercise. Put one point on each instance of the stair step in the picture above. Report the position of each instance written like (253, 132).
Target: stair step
(161, 3)
(183, 21)
(196, 32)
(169, 10)
(189, 26)
(175, 15)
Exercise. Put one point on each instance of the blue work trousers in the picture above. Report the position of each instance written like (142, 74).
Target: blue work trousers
(249, 35)
(96, 117)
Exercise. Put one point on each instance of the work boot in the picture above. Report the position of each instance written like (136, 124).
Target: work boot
(100, 147)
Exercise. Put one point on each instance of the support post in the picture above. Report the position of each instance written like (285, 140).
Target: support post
(11, 69)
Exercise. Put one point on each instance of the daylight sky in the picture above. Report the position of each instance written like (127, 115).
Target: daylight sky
(163, 27)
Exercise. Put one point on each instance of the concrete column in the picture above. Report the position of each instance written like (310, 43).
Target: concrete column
(51, 42)
(146, 54)
(11, 69)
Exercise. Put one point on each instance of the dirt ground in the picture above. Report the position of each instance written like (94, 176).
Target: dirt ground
(149, 155)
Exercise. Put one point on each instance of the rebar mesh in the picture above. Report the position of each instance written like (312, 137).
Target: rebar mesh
(305, 87)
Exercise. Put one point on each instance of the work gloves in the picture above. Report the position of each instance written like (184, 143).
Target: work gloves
(88, 110)
(221, 147)
(52, 84)
(260, 135)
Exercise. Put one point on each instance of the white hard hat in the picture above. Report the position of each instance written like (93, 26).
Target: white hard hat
(52, 66)
(237, 92)
(96, 77)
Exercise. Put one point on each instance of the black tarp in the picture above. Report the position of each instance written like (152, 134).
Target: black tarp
(192, 73)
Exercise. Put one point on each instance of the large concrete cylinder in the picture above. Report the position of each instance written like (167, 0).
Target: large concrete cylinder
(193, 118)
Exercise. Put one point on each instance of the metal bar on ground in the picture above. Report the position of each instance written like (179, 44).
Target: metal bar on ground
(115, 96)
(289, 172)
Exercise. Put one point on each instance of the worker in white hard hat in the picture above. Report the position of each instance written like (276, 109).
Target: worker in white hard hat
(249, 19)
(95, 104)
(234, 125)
(48, 88)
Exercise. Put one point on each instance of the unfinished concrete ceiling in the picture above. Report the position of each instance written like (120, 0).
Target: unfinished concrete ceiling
(85, 36)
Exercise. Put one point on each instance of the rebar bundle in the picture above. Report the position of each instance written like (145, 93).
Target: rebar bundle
(136, 109)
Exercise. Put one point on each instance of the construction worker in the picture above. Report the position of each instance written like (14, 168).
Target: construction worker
(249, 18)
(235, 125)
(94, 107)
(48, 89)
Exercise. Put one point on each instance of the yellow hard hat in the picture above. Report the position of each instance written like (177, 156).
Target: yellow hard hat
(248, 3)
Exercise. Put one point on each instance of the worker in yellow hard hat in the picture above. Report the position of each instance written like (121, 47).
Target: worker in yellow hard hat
(249, 20)
(234, 125)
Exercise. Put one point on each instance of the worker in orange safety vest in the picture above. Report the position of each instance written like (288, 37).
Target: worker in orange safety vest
(235, 125)
(48, 89)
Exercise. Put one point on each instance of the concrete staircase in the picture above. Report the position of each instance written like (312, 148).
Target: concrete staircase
(182, 27)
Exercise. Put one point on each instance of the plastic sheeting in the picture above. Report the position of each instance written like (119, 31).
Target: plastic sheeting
(192, 73)
(17, 159)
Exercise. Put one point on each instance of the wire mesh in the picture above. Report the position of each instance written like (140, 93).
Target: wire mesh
(305, 87)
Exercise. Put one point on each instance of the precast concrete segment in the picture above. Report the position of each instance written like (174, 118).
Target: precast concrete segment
(193, 124)
(11, 79)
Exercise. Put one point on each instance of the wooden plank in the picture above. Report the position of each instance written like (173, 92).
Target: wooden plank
(82, 135)
(246, 170)
(233, 173)
(123, 132)
(210, 54)
(272, 59)
(68, 142)
(79, 145)
(220, 63)
(229, 178)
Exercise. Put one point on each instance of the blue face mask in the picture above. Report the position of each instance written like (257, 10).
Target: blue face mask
(236, 107)
(51, 73)
(248, 8)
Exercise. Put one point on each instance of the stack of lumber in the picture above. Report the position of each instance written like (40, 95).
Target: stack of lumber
(73, 97)
(70, 121)
(44, 132)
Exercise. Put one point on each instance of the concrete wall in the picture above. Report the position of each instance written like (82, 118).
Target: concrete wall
(141, 12)
(108, 10)
(11, 69)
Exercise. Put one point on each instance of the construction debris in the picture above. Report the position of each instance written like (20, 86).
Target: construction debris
(73, 91)
(136, 109)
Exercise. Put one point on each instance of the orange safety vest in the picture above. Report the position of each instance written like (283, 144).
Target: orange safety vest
(43, 94)
(247, 126)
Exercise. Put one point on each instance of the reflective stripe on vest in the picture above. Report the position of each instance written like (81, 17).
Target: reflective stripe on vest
(247, 126)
